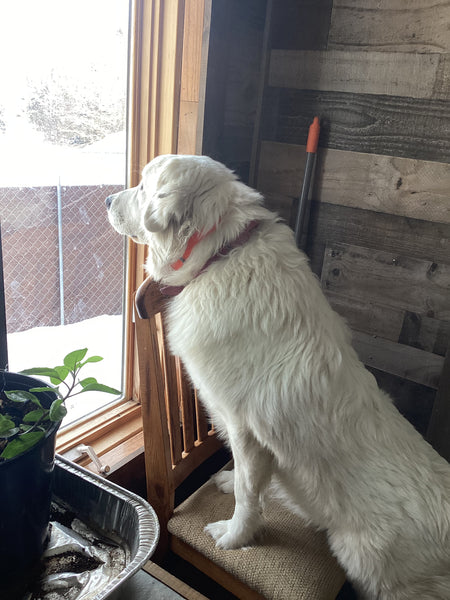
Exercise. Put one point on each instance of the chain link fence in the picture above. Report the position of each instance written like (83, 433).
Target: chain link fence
(62, 260)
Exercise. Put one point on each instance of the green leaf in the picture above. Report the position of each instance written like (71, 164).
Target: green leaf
(87, 381)
(34, 415)
(57, 410)
(73, 358)
(21, 396)
(62, 374)
(11, 433)
(93, 359)
(45, 389)
(43, 372)
(22, 443)
(99, 387)
(6, 425)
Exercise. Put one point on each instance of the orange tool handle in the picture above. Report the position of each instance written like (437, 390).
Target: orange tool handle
(313, 136)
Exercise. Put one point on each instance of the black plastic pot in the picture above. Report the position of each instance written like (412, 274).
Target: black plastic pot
(25, 495)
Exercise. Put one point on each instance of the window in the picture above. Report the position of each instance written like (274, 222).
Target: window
(168, 39)
(63, 151)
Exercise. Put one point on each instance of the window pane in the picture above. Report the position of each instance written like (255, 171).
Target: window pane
(63, 151)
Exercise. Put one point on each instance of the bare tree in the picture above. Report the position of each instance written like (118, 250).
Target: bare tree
(2, 122)
(71, 113)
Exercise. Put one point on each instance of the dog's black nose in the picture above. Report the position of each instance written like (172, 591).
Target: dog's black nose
(108, 201)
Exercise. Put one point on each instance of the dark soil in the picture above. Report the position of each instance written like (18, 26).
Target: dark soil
(70, 562)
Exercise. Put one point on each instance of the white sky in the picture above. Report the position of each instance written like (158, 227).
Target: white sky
(76, 39)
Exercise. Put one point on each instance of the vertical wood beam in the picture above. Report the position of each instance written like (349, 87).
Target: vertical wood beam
(193, 75)
(155, 79)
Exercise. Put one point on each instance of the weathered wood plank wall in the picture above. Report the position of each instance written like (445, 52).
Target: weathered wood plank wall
(377, 72)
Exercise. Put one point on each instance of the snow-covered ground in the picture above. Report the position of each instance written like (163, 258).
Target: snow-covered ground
(47, 346)
(33, 162)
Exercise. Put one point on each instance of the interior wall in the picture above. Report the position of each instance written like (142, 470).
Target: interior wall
(376, 72)
(232, 81)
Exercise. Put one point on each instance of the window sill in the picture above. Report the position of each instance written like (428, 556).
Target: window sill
(115, 434)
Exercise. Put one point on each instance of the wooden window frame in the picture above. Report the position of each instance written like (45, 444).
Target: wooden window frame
(168, 57)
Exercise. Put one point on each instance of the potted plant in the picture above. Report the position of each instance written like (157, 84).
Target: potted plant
(30, 415)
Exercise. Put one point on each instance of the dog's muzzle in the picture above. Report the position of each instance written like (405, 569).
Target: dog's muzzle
(108, 201)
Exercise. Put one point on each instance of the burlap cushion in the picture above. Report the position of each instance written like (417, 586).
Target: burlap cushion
(290, 562)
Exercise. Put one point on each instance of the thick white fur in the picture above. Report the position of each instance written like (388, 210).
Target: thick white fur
(275, 368)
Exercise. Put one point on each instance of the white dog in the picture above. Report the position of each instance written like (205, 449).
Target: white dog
(275, 368)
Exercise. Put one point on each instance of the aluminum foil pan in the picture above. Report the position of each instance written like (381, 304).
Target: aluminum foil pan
(112, 512)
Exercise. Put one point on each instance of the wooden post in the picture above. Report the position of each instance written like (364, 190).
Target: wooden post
(158, 466)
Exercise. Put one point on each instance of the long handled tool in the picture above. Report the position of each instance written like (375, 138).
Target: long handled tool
(303, 204)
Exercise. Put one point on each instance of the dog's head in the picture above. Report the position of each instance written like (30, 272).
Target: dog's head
(178, 194)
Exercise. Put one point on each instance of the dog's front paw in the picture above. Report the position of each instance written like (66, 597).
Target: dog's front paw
(226, 536)
(224, 481)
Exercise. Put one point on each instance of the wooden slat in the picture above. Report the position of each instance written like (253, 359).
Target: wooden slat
(192, 72)
(391, 25)
(281, 168)
(301, 24)
(387, 125)
(187, 409)
(411, 188)
(415, 238)
(425, 333)
(172, 582)
(171, 48)
(393, 73)
(193, 459)
(172, 404)
(222, 577)
(400, 360)
(106, 425)
(387, 278)
(366, 316)
(158, 463)
(207, 10)
(399, 186)
(202, 420)
(390, 323)
(187, 137)
(442, 85)
(154, 82)
(192, 50)
(284, 206)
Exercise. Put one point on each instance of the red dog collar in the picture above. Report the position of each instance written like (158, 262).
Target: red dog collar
(174, 290)
(193, 241)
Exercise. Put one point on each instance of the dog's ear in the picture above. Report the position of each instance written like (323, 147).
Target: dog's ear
(187, 193)
(169, 208)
